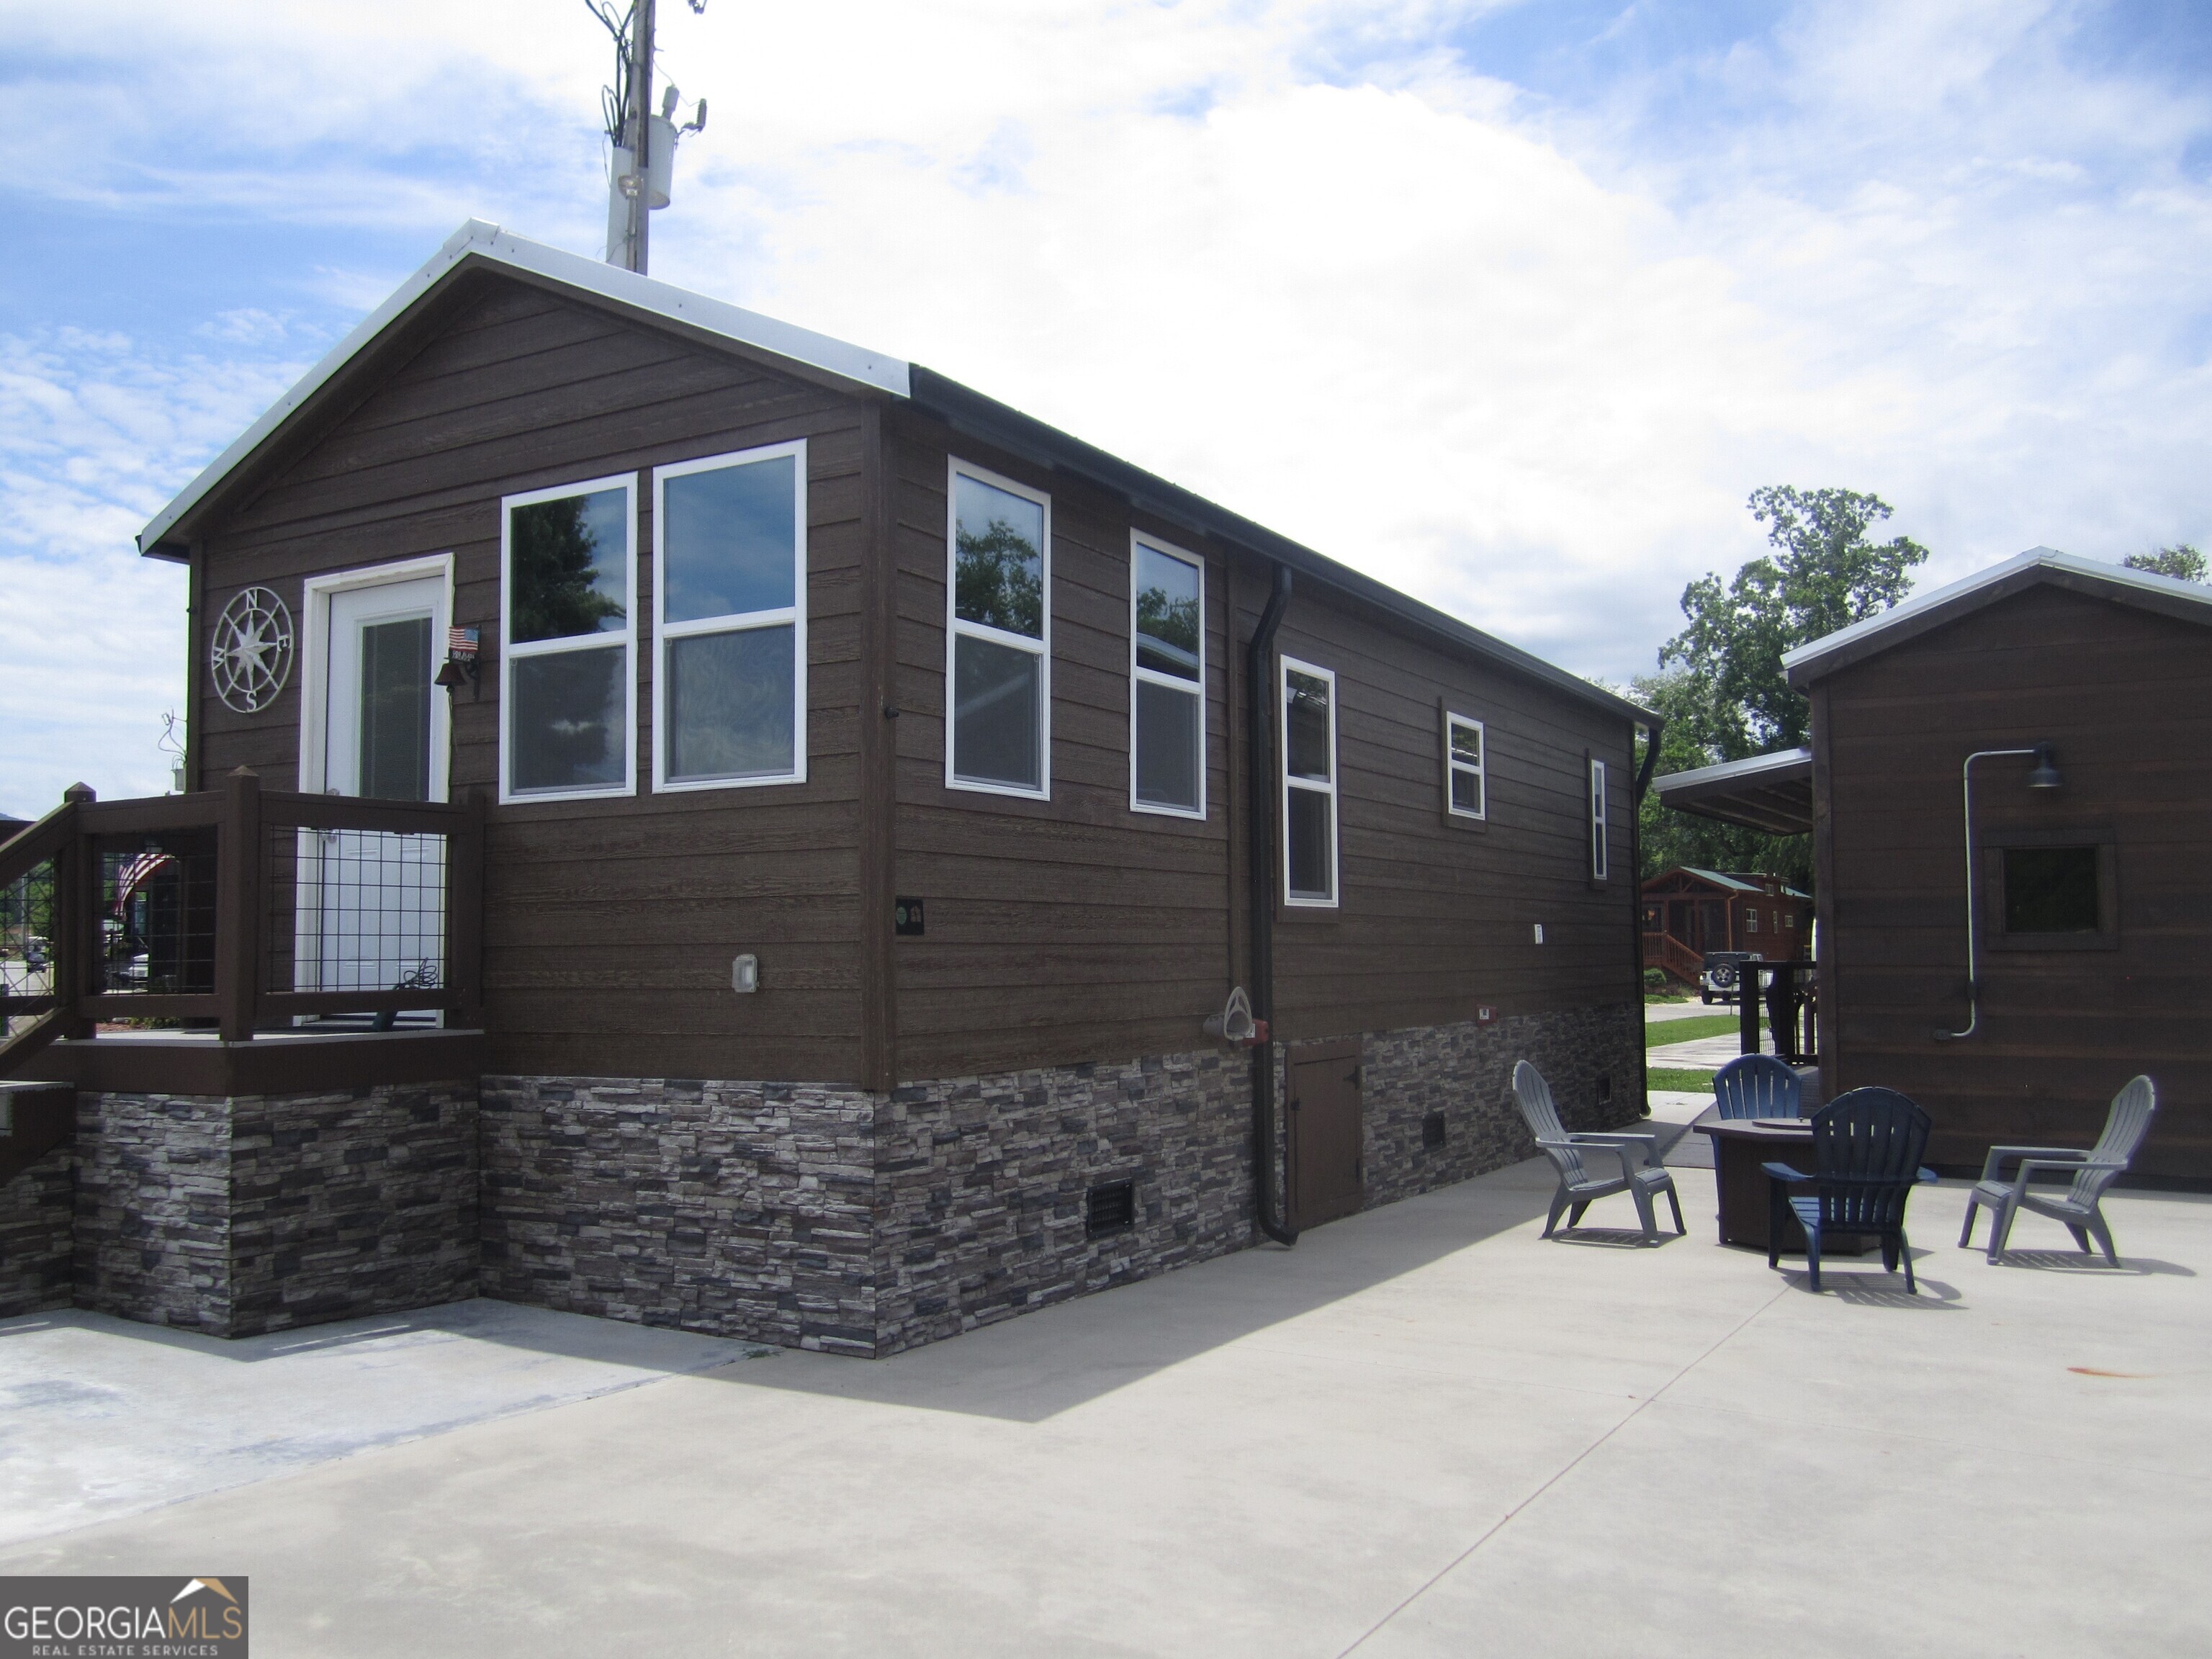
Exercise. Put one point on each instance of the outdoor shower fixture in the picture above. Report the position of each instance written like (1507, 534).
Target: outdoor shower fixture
(2044, 776)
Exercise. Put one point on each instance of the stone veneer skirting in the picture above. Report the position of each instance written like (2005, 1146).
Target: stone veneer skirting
(240, 1215)
(812, 1216)
(863, 1223)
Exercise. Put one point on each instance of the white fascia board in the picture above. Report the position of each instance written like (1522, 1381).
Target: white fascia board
(2049, 558)
(488, 242)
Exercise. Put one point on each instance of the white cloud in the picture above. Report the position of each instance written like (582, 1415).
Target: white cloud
(1525, 356)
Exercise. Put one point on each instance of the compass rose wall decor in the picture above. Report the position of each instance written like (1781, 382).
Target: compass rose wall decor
(250, 655)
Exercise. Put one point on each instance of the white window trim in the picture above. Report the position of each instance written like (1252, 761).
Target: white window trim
(954, 470)
(792, 616)
(1601, 824)
(1173, 682)
(1284, 668)
(627, 483)
(1453, 763)
(315, 673)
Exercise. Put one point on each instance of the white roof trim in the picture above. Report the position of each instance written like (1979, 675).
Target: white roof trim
(488, 242)
(2049, 558)
(1781, 760)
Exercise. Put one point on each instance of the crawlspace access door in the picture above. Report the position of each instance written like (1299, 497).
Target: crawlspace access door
(1328, 1178)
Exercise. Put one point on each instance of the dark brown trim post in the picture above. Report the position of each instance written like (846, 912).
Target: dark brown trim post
(75, 945)
(464, 908)
(238, 907)
(879, 782)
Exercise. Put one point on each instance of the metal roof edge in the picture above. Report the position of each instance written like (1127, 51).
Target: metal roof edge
(966, 410)
(1753, 766)
(478, 239)
(1925, 611)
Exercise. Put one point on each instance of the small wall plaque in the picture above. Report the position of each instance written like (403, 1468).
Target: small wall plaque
(906, 918)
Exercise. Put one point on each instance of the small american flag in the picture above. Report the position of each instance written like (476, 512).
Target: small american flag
(136, 874)
(460, 642)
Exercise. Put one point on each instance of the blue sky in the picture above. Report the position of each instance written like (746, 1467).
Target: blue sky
(1509, 304)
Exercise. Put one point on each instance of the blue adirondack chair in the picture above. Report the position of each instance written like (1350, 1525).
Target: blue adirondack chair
(1866, 1161)
(1758, 1085)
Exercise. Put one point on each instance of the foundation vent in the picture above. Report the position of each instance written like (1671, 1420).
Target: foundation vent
(1432, 1131)
(1110, 1208)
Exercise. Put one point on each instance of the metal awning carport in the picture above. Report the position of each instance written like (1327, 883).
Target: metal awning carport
(1770, 792)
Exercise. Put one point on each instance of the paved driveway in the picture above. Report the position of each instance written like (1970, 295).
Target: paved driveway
(1423, 1431)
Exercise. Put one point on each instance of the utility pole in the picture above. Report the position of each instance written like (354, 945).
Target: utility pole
(640, 133)
(643, 165)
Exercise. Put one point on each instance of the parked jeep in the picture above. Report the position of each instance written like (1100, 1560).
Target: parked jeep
(1723, 975)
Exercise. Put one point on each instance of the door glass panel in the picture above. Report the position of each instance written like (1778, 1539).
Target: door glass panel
(570, 567)
(395, 709)
(731, 539)
(567, 719)
(730, 704)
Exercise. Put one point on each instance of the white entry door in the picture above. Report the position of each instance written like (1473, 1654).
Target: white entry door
(372, 903)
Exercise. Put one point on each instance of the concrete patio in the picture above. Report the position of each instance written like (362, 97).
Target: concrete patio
(1425, 1431)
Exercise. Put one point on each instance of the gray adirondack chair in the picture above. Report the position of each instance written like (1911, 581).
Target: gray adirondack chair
(1758, 1085)
(2083, 1207)
(1641, 1175)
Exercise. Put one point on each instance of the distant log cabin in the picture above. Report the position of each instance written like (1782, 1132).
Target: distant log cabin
(1689, 912)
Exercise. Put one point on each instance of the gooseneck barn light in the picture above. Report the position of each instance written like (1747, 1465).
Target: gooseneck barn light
(2044, 776)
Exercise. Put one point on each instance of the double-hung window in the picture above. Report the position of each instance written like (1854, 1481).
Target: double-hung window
(1466, 794)
(1167, 679)
(567, 629)
(729, 683)
(1597, 820)
(1308, 705)
(998, 636)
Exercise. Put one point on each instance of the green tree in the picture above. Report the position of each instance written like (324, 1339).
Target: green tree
(1667, 838)
(555, 593)
(1826, 574)
(2181, 559)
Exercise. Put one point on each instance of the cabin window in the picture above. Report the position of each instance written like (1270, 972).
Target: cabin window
(729, 682)
(1309, 856)
(1466, 794)
(568, 606)
(1789, 921)
(2052, 887)
(1167, 680)
(1597, 817)
(1751, 921)
(999, 640)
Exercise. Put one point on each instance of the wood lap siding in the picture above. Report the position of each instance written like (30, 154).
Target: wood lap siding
(2126, 696)
(610, 924)
(1438, 917)
(1063, 930)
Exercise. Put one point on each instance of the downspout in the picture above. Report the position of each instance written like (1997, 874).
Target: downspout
(1636, 910)
(1259, 860)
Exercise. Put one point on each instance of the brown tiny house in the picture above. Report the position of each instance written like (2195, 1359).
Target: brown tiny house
(2092, 904)
(1689, 912)
(877, 790)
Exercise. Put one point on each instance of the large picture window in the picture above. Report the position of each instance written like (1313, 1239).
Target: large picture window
(568, 606)
(1466, 792)
(1309, 859)
(729, 683)
(1167, 679)
(998, 636)
(1598, 824)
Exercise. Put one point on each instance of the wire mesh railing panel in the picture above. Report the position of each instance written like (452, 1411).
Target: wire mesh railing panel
(154, 914)
(26, 942)
(353, 910)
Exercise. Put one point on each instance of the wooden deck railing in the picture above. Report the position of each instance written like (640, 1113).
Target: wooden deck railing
(275, 906)
(1665, 950)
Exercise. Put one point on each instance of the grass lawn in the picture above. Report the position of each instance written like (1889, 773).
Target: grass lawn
(1695, 1083)
(1656, 1032)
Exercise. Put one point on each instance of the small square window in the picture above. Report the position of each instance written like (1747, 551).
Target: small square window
(2052, 890)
